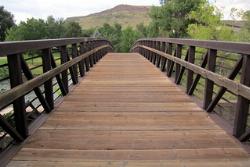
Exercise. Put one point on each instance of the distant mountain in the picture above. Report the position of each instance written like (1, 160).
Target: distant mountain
(126, 15)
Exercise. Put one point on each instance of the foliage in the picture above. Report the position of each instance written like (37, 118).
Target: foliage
(122, 39)
(6, 22)
(39, 29)
(208, 24)
(72, 29)
(128, 38)
(172, 18)
(244, 34)
(112, 33)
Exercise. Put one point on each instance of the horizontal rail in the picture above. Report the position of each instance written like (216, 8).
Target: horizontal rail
(77, 56)
(8, 48)
(233, 86)
(8, 97)
(234, 47)
(166, 53)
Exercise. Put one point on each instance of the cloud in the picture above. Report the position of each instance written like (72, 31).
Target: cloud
(226, 5)
(62, 9)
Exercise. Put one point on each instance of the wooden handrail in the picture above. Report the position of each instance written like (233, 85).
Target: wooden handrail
(8, 97)
(8, 48)
(233, 47)
(233, 86)
(165, 59)
(84, 53)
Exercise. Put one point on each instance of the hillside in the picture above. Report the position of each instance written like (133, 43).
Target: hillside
(126, 15)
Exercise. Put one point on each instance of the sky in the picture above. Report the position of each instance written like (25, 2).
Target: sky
(23, 9)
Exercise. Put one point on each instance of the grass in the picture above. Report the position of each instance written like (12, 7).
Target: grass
(3, 60)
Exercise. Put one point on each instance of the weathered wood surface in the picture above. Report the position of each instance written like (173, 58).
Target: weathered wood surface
(126, 113)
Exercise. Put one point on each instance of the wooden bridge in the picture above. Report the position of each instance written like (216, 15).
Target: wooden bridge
(124, 111)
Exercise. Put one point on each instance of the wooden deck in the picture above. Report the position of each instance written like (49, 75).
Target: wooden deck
(126, 113)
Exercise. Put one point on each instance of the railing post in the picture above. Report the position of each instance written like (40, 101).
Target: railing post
(74, 67)
(151, 53)
(84, 49)
(209, 85)
(242, 106)
(155, 55)
(191, 57)
(82, 63)
(90, 46)
(159, 56)
(48, 86)
(15, 74)
(178, 66)
(164, 60)
(169, 51)
(64, 59)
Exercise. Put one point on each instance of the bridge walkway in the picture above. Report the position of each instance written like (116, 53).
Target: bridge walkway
(127, 113)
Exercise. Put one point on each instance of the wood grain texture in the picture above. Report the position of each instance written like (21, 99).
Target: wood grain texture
(126, 113)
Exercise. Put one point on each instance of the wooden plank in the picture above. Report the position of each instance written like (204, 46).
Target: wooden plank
(127, 110)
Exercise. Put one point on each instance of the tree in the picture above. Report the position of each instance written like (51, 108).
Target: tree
(112, 33)
(30, 30)
(172, 18)
(129, 36)
(34, 29)
(55, 28)
(72, 29)
(208, 24)
(244, 34)
(6, 22)
(163, 2)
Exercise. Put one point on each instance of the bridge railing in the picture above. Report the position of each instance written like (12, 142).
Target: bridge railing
(34, 75)
(216, 72)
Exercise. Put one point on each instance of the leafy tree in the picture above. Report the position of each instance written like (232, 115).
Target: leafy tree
(142, 30)
(6, 22)
(112, 33)
(129, 36)
(244, 34)
(173, 17)
(72, 29)
(34, 29)
(30, 30)
(55, 28)
(208, 24)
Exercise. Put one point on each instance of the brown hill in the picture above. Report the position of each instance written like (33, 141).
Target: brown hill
(126, 15)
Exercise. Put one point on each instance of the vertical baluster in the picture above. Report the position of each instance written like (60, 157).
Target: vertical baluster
(159, 56)
(242, 106)
(82, 62)
(178, 55)
(209, 85)
(74, 67)
(15, 74)
(169, 51)
(191, 57)
(90, 47)
(48, 85)
(64, 59)
(164, 60)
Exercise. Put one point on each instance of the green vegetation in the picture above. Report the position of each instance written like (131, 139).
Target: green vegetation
(39, 29)
(6, 22)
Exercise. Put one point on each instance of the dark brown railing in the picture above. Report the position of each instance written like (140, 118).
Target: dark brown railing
(36, 74)
(216, 72)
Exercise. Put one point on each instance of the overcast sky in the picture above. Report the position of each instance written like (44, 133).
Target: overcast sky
(23, 9)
